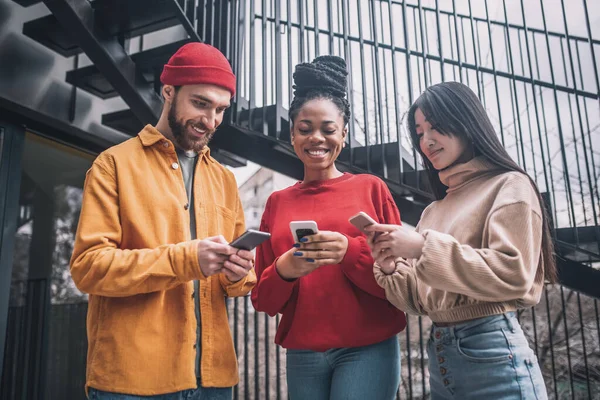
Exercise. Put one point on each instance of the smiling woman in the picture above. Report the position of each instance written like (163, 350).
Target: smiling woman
(333, 310)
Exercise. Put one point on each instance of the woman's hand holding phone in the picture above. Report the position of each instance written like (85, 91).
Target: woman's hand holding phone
(394, 241)
(313, 251)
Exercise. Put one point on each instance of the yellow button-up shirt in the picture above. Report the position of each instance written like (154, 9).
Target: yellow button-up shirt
(134, 256)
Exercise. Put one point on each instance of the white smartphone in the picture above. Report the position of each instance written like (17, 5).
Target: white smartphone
(361, 221)
(303, 228)
(250, 239)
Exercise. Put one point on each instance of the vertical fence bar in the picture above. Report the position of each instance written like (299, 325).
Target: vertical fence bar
(424, 45)
(457, 39)
(379, 102)
(487, 17)
(364, 86)
(264, 124)
(422, 349)
(439, 38)
(278, 361)
(301, 53)
(568, 347)
(551, 340)
(278, 71)
(348, 57)
(317, 29)
(246, 351)
(473, 36)
(236, 388)
(409, 356)
(398, 118)
(329, 27)
(256, 358)
(289, 52)
(251, 78)
(462, 29)
(267, 359)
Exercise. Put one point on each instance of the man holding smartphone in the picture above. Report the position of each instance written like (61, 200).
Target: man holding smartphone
(152, 247)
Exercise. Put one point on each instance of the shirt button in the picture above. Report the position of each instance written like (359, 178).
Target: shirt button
(195, 345)
(174, 165)
(193, 294)
(443, 371)
(186, 206)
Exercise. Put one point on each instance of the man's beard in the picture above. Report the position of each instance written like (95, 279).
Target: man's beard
(182, 137)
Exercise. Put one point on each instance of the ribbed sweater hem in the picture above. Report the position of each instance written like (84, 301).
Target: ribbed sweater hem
(473, 311)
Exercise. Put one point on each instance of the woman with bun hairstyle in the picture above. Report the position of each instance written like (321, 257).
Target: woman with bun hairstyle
(337, 326)
(481, 251)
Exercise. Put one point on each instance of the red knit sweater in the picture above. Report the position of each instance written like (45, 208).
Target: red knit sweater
(335, 305)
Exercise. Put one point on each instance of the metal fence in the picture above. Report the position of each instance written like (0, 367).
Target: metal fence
(563, 330)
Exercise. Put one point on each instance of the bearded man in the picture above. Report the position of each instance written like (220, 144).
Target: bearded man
(152, 247)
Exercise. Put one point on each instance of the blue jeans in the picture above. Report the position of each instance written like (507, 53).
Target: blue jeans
(201, 393)
(487, 358)
(368, 372)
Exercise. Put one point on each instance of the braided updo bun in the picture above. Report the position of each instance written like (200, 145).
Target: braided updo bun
(324, 78)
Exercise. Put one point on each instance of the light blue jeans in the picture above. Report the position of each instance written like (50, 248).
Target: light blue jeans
(201, 393)
(487, 358)
(355, 373)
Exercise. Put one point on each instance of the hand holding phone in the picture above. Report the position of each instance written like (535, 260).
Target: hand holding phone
(303, 228)
(250, 239)
(361, 221)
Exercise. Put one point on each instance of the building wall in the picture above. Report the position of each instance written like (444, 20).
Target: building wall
(257, 189)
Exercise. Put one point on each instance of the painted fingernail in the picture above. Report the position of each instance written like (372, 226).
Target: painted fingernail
(304, 240)
(310, 260)
(296, 245)
(298, 253)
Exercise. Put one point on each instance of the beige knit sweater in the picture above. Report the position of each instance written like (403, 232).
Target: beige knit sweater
(482, 251)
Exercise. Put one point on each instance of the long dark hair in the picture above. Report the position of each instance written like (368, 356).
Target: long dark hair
(455, 110)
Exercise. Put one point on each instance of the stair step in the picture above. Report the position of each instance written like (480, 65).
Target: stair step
(48, 31)
(150, 62)
(253, 120)
(392, 159)
(118, 18)
(124, 121)
(134, 17)
(27, 3)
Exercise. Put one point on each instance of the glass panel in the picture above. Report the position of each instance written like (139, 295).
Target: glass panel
(46, 310)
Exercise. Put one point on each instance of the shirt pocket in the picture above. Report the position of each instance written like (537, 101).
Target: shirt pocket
(220, 220)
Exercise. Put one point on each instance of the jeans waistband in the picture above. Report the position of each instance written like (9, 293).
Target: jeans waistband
(486, 324)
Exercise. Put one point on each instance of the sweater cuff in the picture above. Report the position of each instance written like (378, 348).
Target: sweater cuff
(355, 247)
(284, 286)
(186, 264)
(434, 253)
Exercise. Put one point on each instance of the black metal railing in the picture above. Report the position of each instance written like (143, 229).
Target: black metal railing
(534, 69)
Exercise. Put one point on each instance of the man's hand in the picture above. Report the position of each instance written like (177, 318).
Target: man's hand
(238, 265)
(323, 248)
(216, 255)
(212, 254)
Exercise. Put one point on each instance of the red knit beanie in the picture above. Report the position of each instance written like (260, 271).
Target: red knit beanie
(196, 63)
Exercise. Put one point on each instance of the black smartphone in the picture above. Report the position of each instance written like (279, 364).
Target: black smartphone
(250, 239)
